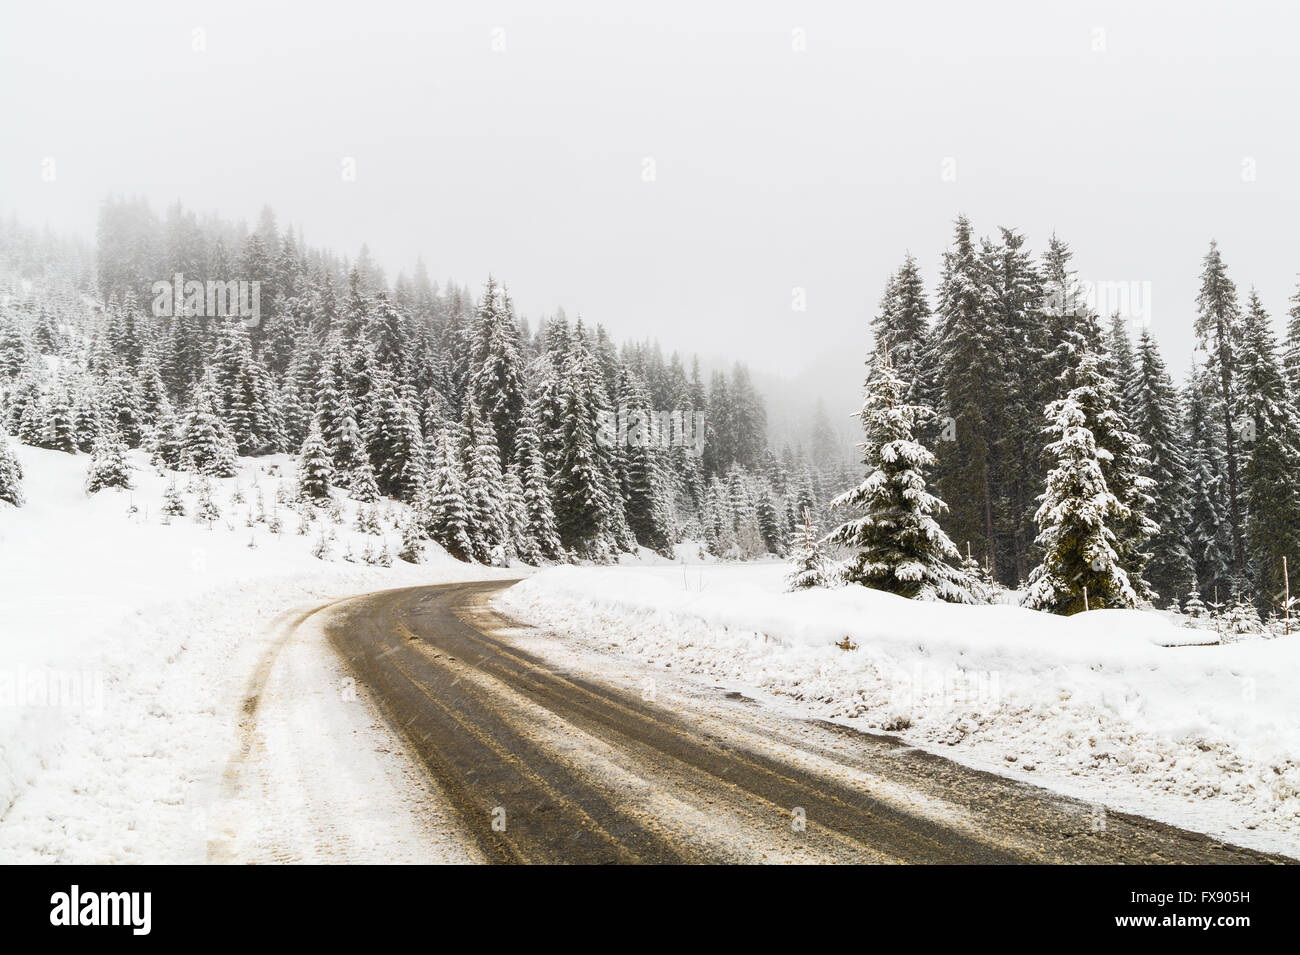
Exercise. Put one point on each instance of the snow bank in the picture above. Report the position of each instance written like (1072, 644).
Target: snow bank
(1096, 705)
(126, 646)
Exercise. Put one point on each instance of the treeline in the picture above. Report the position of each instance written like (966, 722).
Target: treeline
(498, 432)
(1055, 434)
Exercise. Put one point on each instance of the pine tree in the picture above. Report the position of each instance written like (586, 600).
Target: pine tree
(531, 467)
(1123, 463)
(444, 501)
(173, 504)
(361, 484)
(898, 546)
(496, 372)
(1208, 533)
(208, 447)
(61, 434)
(1270, 446)
(1016, 299)
(1158, 423)
(1218, 327)
(11, 473)
(583, 509)
(1080, 568)
(315, 468)
(413, 538)
(970, 367)
(108, 466)
(484, 488)
(1123, 363)
(392, 436)
(809, 565)
(645, 483)
(902, 330)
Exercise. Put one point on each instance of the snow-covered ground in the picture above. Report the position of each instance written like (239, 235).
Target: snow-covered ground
(127, 647)
(1097, 706)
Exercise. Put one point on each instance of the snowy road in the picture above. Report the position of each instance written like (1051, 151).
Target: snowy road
(543, 765)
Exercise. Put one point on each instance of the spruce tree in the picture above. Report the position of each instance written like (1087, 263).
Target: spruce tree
(444, 505)
(902, 330)
(1208, 533)
(11, 473)
(1081, 565)
(108, 465)
(1270, 446)
(315, 467)
(970, 368)
(484, 488)
(531, 467)
(583, 508)
(897, 544)
(173, 504)
(1158, 423)
(208, 447)
(809, 565)
(496, 370)
(1218, 329)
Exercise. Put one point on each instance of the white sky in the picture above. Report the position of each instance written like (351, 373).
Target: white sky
(775, 169)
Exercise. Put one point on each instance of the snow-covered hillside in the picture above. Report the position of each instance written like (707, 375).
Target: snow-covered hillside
(126, 645)
(1098, 705)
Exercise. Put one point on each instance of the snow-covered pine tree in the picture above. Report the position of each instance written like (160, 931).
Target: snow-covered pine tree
(208, 447)
(484, 487)
(121, 407)
(496, 380)
(1016, 300)
(970, 367)
(1208, 533)
(412, 549)
(1080, 568)
(646, 490)
(166, 441)
(1157, 421)
(531, 467)
(1123, 363)
(1218, 329)
(444, 503)
(902, 330)
(392, 436)
(11, 473)
(1123, 463)
(809, 566)
(173, 504)
(60, 427)
(108, 465)
(897, 544)
(580, 482)
(315, 467)
(361, 484)
(1270, 450)
(1291, 348)
(770, 524)
(519, 543)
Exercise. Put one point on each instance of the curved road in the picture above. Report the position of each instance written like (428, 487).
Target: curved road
(546, 766)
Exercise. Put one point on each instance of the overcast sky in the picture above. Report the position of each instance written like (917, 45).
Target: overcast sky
(794, 145)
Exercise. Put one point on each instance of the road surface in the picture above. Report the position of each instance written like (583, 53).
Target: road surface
(544, 766)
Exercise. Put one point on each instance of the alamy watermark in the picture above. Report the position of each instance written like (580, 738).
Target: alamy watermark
(210, 299)
(651, 429)
(1129, 299)
(46, 687)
